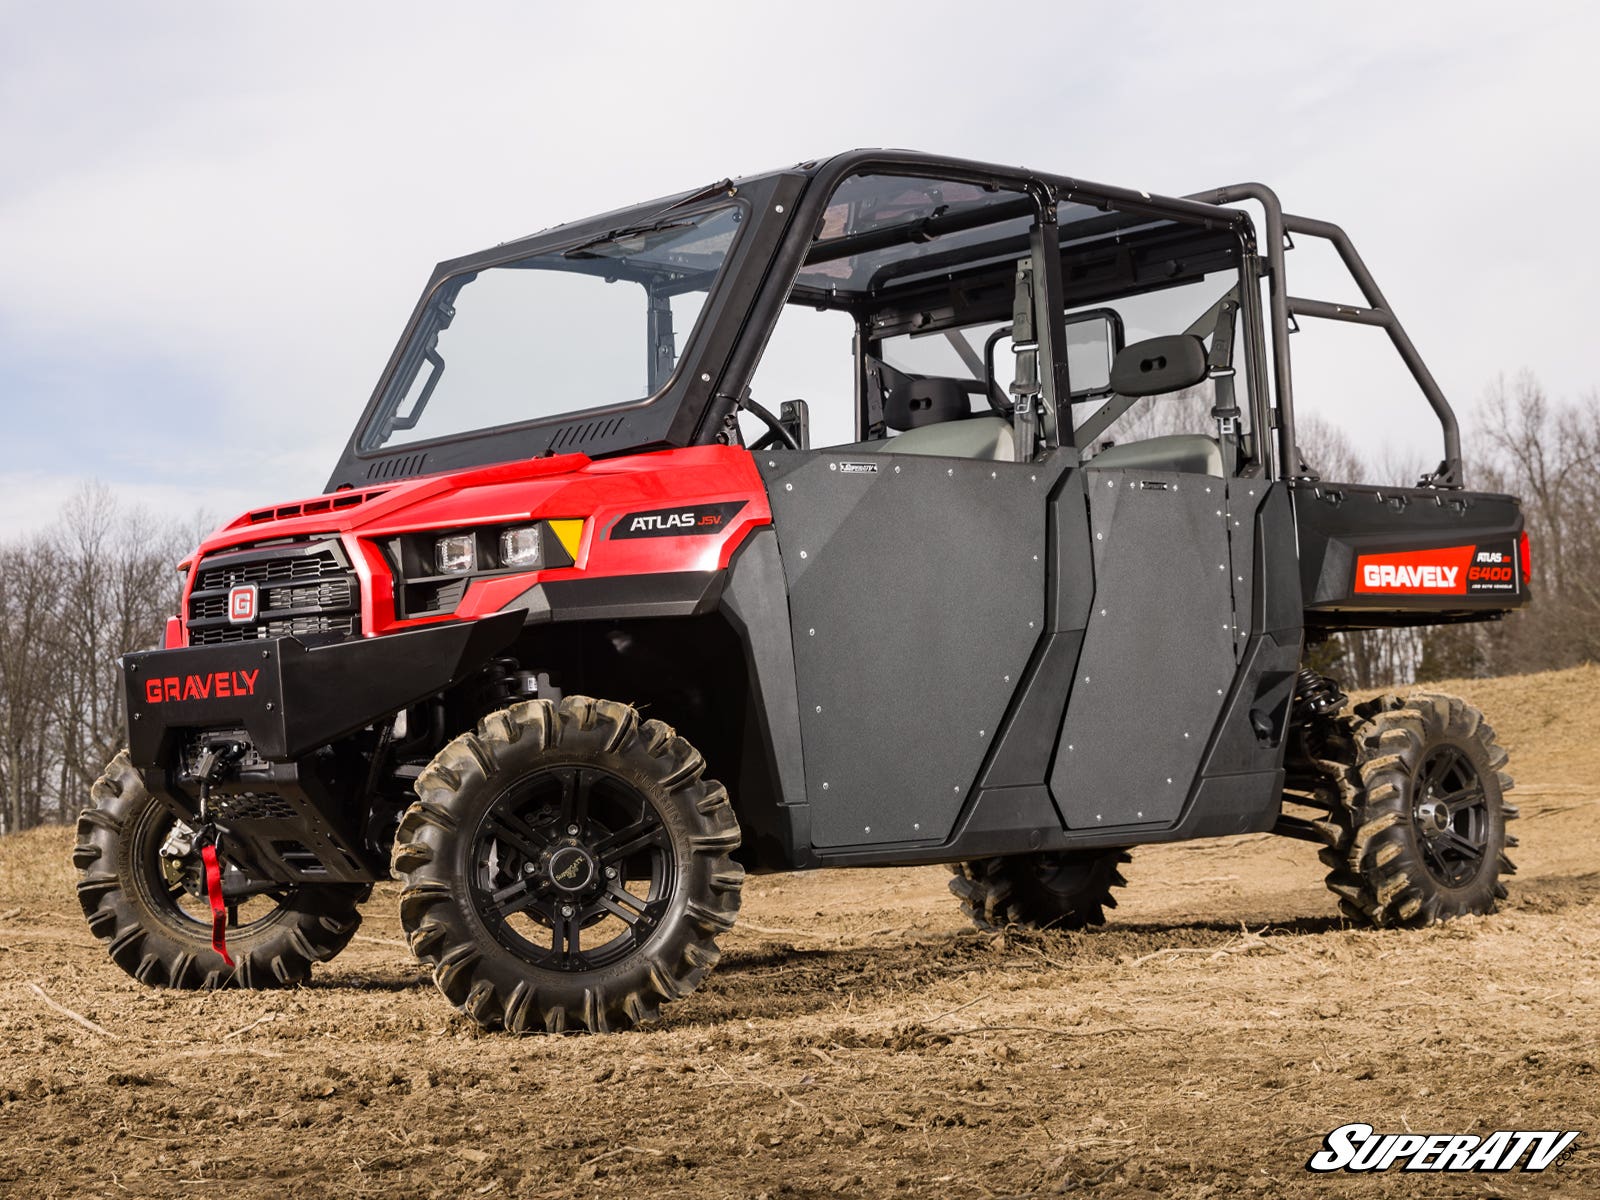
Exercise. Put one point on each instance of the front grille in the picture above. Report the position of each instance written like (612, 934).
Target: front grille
(304, 589)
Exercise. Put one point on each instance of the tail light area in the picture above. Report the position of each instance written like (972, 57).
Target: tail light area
(1525, 557)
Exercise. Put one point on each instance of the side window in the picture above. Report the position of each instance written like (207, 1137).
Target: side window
(810, 357)
(1197, 308)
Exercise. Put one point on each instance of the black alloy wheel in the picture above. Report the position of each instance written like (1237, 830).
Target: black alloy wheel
(1450, 813)
(567, 865)
(573, 868)
(1414, 791)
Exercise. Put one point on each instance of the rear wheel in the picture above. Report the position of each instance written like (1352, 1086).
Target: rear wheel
(567, 865)
(139, 885)
(1416, 825)
(1057, 890)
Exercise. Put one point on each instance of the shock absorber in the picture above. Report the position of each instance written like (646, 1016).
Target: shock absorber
(1315, 695)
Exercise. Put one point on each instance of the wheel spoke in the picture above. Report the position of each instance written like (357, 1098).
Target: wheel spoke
(1432, 853)
(515, 898)
(623, 903)
(575, 787)
(516, 833)
(1467, 849)
(563, 936)
(628, 841)
(620, 910)
(1468, 797)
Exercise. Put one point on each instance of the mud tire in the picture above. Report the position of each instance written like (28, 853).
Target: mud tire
(1061, 890)
(435, 860)
(130, 910)
(1382, 865)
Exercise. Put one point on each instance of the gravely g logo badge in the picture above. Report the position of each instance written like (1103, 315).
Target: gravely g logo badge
(242, 602)
(688, 521)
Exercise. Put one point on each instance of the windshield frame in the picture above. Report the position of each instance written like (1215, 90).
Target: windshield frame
(669, 416)
(378, 432)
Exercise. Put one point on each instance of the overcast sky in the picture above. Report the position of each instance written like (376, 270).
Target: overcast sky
(214, 219)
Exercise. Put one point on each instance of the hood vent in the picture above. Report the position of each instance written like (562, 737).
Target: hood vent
(336, 502)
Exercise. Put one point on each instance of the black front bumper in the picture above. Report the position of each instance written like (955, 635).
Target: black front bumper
(295, 808)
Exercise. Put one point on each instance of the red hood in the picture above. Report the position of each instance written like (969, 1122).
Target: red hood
(566, 486)
(345, 511)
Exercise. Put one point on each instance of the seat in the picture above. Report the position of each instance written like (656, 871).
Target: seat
(1193, 453)
(933, 416)
(975, 437)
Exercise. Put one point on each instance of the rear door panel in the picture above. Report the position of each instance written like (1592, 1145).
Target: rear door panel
(1159, 652)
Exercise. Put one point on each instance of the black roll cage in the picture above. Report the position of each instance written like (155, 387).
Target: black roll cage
(785, 208)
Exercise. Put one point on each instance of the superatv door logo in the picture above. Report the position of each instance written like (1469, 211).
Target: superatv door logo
(1449, 571)
(211, 686)
(1357, 1147)
(677, 522)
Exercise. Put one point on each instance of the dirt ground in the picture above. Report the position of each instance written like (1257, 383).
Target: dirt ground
(859, 1040)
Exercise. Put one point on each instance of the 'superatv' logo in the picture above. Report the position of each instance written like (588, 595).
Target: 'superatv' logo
(1358, 1147)
(686, 521)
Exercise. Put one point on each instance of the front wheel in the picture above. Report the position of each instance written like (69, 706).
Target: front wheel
(140, 885)
(567, 865)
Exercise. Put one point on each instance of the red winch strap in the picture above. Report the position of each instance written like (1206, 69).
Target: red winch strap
(219, 910)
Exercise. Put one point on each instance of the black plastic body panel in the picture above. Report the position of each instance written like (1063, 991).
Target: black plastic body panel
(297, 698)
(1158, 654)
(917, 594)
(754, 600)
(1236, 785)
(289, 810)
(1340, 523)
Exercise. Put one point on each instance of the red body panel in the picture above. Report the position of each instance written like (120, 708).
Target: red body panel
(565, 486)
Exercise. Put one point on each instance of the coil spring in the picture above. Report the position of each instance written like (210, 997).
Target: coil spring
(1316, 694)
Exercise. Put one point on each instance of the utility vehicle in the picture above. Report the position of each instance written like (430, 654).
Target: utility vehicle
(804, 520)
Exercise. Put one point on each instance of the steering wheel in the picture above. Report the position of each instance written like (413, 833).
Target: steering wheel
(776, 430)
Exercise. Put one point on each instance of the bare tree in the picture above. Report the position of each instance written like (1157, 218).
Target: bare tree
(72, 602)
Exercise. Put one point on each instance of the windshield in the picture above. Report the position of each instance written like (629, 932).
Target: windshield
(596, 325)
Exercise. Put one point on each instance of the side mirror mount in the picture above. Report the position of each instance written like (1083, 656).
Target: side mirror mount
(795, 416)
(1159, 365)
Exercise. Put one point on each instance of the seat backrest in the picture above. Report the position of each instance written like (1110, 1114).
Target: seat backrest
(930, 401)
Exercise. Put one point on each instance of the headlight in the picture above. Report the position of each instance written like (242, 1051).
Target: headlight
(456, 554)
(521, 547)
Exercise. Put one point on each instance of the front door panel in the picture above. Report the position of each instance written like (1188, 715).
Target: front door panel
(916, 593)
(1158, 654)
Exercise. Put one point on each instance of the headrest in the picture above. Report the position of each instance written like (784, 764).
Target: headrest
(919, 402)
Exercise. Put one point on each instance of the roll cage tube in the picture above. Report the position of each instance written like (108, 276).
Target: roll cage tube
(1041, 191)
(1284, 308)
(1038, 193)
